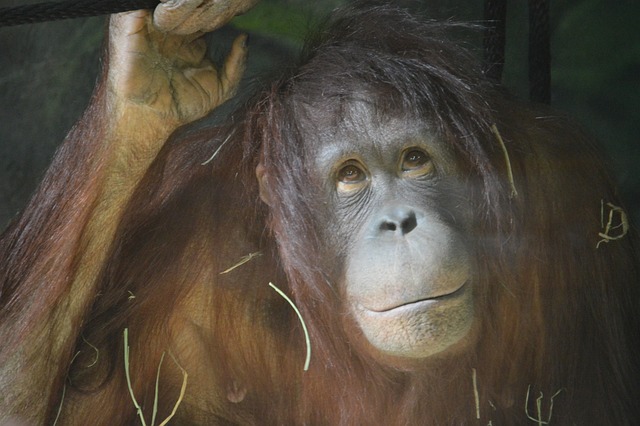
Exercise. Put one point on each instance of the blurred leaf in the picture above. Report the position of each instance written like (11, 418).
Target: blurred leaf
(596, 43)
(277, 19)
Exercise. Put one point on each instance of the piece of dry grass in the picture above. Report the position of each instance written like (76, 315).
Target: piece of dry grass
(539, 420)
(474, 377)
(64, 390)
(183, 390)
(95, 361)
(622, 226)
(219, 148)
(157, 385)
(128, 376)
(514, 192)
(242, 261)
(304, 326)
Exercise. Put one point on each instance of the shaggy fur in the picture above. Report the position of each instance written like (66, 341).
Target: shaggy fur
(556, 316)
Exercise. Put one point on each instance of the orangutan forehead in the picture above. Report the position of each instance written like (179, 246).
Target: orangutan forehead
(337, 108)
(357, 114)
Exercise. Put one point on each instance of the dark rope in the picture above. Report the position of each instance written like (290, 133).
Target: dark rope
(53, 11)
(495, 16)
(539, 52)
(494, 37)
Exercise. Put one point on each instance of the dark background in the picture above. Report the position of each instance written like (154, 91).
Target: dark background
(47, 72)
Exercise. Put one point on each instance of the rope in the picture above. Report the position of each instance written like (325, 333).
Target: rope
(67, 9)
(495, 15)
(494, 37)
(539, 52)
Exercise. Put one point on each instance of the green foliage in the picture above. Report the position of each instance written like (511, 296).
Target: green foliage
(286, 20)
(596, 77)
(596, 42)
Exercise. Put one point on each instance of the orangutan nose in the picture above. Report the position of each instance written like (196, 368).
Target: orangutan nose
(399, 221)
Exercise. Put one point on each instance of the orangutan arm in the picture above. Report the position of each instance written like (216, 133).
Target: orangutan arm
(155, 78)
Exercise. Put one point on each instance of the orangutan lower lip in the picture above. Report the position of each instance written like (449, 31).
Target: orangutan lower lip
(437, 298)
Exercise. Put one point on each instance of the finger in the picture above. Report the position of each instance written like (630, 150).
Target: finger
(197, 92)
(171, 14)
(129, 29)
(212, 14)
(186, 51)
(205, 89)
(233, 67)
(128, 22)
(128, 42)
(206, 18)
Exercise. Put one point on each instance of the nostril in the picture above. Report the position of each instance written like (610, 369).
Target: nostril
(388, 226)
(401, 221)
(409, 223)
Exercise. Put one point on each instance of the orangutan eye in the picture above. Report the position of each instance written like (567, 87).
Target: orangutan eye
(416, 162)
(351, 176)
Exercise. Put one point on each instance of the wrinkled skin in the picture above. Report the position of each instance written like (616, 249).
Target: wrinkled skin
(406, 277)
(158, 59)
(396, 213)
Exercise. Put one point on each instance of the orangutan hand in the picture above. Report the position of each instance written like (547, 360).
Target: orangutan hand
(157, 59)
